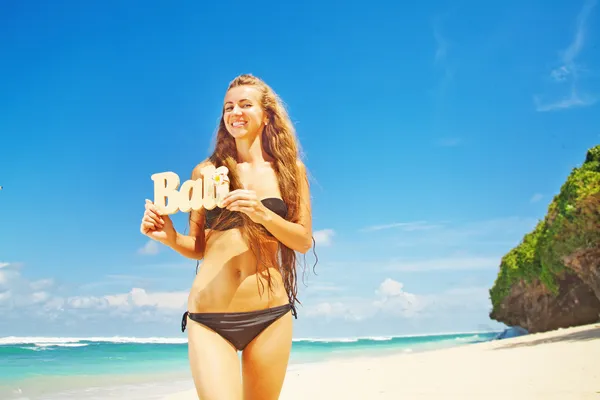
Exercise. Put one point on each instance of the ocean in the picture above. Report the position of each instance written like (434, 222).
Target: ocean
(150, 368)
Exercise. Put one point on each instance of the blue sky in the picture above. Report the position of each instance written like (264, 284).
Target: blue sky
(435, 134)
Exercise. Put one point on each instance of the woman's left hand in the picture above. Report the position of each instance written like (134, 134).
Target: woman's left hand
(246, 201)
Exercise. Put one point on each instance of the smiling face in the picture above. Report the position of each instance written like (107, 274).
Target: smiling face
(243, 114)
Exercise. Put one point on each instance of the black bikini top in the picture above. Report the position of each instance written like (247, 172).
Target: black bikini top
(274, 204)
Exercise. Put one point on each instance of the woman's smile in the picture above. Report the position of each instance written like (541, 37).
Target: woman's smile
(238, 123)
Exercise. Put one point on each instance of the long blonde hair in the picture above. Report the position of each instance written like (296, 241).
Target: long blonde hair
(280, 143)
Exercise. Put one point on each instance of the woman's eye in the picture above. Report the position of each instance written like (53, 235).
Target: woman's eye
(230, 109)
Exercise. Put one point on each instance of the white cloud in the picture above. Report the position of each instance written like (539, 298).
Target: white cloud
(441, 50)
(405, 226)
(324, 237)
(150, 248)
(17, 292)
(568, 72)
(460, 299)
(47, 301)
(506, 231)
(85, 302)
(442, 60)
(494, 226)
(327, 309)
(536, 197)
(444, 263)
(420, 238)
(448, 142)
(390, 287)
(9, 272)
(574, 99)
(394, 300)
(425, 247)
(390, 300)
(138, 297)
(324, 287)
(353, 309)
(4, 296)
(42, 284)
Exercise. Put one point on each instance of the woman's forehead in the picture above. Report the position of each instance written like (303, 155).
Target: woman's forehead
(239, 93)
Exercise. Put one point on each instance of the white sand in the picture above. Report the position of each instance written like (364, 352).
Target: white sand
(563, 364)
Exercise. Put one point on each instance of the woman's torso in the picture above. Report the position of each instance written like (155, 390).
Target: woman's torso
(227, 279)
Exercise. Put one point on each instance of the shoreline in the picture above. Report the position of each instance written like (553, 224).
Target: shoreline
(562, 364)
(117, 367)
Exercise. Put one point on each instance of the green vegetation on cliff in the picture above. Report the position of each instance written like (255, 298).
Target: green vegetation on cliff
(572, 223)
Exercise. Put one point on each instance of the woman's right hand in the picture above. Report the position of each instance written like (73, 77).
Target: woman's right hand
(156, 226)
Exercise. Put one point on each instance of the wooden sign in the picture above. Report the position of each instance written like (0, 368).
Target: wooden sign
(207, 191)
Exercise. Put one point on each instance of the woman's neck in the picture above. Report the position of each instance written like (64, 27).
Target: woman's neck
(249, 150)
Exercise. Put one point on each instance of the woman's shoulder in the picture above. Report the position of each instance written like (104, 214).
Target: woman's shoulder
(197, 171)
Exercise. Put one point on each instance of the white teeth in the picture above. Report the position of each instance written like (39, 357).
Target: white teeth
(238, 123)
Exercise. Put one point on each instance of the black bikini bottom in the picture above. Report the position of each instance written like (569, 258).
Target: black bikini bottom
(239, 328)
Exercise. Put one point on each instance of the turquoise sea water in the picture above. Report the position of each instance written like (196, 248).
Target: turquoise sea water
(150, 368)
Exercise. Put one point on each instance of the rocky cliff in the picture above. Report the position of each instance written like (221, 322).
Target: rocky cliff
(552, 278)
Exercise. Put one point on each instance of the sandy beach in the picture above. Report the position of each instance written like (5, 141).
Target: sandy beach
(562, 364)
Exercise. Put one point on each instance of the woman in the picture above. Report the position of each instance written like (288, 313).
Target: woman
(244, 295)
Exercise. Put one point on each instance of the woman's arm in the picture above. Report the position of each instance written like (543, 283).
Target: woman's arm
(193, 244)
(188, 246)
(297, 236)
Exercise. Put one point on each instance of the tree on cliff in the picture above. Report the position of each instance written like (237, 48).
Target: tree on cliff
(543, 262)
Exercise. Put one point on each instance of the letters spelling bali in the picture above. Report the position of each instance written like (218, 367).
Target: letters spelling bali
(194, 194)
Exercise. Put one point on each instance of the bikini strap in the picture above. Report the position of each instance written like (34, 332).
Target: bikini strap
(184, 321)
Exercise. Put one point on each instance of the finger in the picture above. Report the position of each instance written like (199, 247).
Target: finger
(242, 203)
(240, 195)
(151, 209)
(148, 220)
(153, 220)
(148, 226)
(157, 217)
(158, 212)
(245, 210)
(231, 195)
(151, 206)
(149, 215)
(148, 204)
(236, 192)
